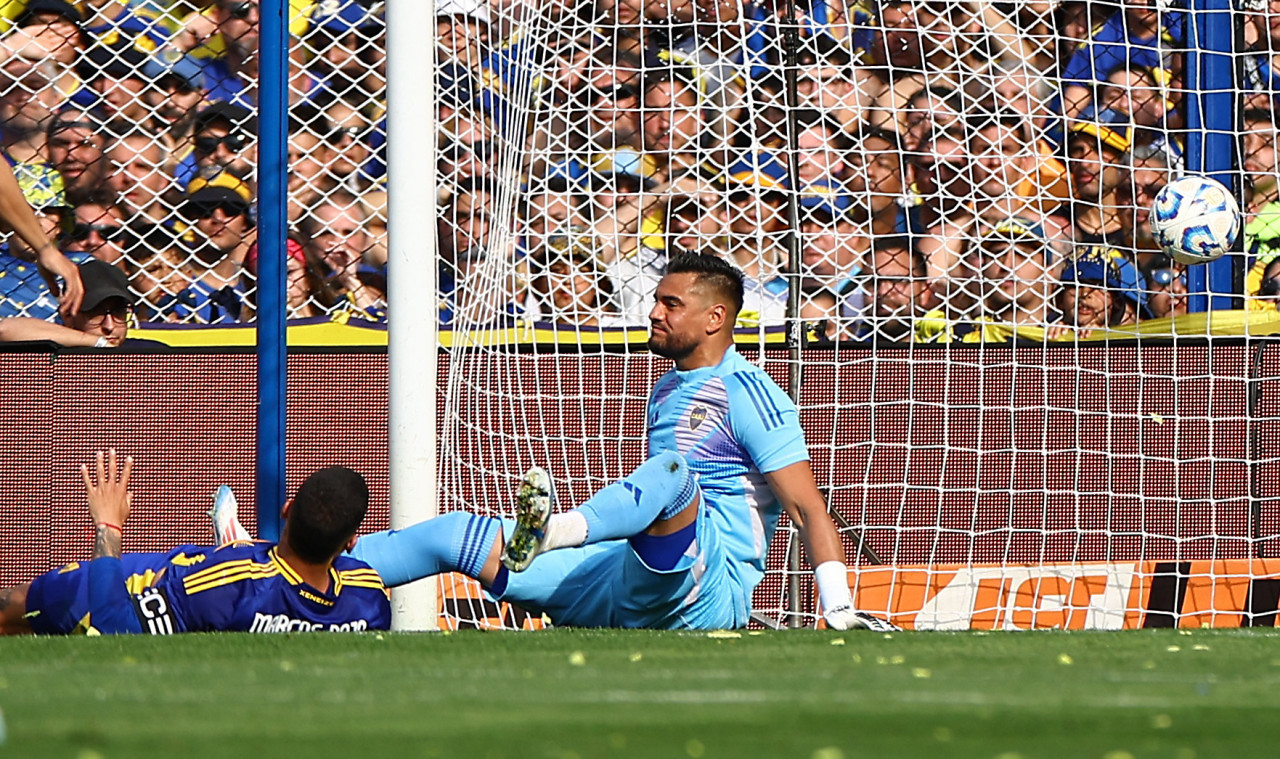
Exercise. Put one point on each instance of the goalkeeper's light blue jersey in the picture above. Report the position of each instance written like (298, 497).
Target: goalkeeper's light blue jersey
(733, 424)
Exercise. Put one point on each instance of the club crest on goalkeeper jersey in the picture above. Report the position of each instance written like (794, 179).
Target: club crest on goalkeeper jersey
(246, 587)
(733, 424)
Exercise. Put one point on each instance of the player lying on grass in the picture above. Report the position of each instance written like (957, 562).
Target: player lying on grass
(303, 583)
(681, 541)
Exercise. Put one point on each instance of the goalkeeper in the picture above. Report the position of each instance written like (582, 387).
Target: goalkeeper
(681, 541)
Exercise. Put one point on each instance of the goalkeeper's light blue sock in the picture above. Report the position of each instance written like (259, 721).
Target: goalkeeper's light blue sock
(453, 542)
(659, 488)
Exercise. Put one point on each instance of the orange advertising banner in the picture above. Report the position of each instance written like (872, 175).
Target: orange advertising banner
(1085, 596)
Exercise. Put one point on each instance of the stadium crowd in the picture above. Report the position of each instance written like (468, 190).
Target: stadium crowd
(951, 170)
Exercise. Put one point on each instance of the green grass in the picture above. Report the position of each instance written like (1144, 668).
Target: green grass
(601, 694)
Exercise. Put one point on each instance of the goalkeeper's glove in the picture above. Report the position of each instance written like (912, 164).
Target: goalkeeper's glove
(837, 602)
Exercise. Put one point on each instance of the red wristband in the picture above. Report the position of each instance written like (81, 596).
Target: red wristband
(115, 527)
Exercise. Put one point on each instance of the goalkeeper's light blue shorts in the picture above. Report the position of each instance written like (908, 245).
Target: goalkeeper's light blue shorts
(608, 585)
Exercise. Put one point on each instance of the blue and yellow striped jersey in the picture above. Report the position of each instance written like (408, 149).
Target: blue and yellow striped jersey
(246, 587)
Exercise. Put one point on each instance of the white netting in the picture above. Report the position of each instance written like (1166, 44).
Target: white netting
(958, 172)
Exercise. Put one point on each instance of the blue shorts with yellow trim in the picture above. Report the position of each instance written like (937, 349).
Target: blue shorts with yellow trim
(58, 600)
(608, 584)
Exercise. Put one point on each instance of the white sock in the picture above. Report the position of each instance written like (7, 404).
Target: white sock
(567, 529)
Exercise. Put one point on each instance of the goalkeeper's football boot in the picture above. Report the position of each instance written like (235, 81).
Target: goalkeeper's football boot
(534, 501)
(226, 522)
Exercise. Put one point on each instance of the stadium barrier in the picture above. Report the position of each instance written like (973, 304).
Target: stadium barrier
(932, 457)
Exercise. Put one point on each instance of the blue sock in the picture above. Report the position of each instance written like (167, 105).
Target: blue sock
(453, 542)
(663, 552)
(659, 488)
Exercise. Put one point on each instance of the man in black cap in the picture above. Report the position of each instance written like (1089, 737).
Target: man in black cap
(101, 322)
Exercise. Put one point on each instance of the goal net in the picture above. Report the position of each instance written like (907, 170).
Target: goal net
(942, 210)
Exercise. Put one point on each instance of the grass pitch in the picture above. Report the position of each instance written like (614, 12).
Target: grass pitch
(563, 694)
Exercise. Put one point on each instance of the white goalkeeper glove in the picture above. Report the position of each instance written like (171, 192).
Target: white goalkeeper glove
(837, 602)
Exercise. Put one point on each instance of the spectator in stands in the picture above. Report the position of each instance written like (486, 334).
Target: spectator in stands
(826, 83)
(307, 293)
(222, 231)
(1100, 288)
(570, 286)
(144, 26)
(102, 321)
(25, 284)
(929, 111)
(76, 147)
(334, 229)
(903, 300)
(1097, 157)
(233, 77)
(756, 188)
(1149, 173)
(158, 276)
(1258, 158)
(607, 103)
(116, 82)
(1140, 92)
(139, 181)
(549, 207)
(356, 137)
(174, 97)
(941, 173)
(46, 30)
(310, 155)
(28, 99)
(1017, 274)
(833, 250)
(462, 30)
(821, 147)
(1004, 165)
(1266, 295)
(672, 123)
(1137, 33)
(225, 141)
(345, 37)
(1167, 286)
(99, 230)
(876, 182)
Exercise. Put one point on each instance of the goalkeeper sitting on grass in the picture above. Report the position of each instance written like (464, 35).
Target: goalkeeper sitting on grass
(300, 584)
(681, 541)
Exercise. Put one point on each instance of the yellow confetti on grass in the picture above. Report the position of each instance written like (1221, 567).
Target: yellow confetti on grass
(577, 658)
(724, 634)
(828, 752)
(921, 673)
(838, 642)
(1065, 659)
(1200, 647)
(287, 666)
(637, 656)
(1121, 754)
(1161, 721)
(1174, 649)
(695, 748)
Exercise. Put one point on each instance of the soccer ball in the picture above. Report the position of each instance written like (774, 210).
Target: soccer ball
(1195, 219)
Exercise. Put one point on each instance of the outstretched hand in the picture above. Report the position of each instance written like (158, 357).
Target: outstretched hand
(108, 493)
